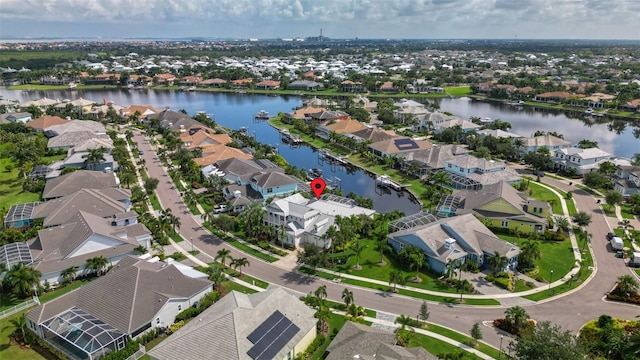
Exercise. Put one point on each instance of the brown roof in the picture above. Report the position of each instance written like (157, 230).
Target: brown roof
(305, 111)
(242, 81)
(400, 144)
(44, 122)
(346, 126)
(375, 134)
(268, 83)
(128, 297)
(559, 94)
(214, 153)
(203, 138)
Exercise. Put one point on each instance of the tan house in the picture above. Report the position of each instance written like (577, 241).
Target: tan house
(164, 79)
(339, 127)
(556, 96)
(41, 123)
(268, 85)
(398, 146)
(203, 138)
(213, 82)
(241, 83)
(217, 152)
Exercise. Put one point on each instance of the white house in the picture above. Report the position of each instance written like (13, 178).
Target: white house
(582, 160)
(627, 180)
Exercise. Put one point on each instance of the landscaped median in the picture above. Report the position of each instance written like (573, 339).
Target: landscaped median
(240, 245)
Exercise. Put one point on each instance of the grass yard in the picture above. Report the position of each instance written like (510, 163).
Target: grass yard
(437, 347)
(543, 194)
(554, 255)
(336, 322)
(230, 286)
(11, 192)
(458, 90)
(452, 334)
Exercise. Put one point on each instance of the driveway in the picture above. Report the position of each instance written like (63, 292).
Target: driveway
(570, 311)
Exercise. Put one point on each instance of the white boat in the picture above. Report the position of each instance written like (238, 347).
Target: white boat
(486, 120)
(262, 115)
(72, 86)
(193, 88)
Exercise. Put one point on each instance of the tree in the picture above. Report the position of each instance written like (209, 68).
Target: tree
(625, 225)
(529, 252)
(587, 144)
(216, 274)
(354, 312)
(596, 180)
(539, 159)
(440, 180)
(357, 249)
(69, 274)
(517, 318)
(424, 311)
(223, 254)
(321, 292)
(547, 341)
(347, 297)
(626, 284)
(151, 184)
(127, 178)
(96, 264)
(240, 263)
(613, 198)
(169, 221)
(582, 219)
(382, 246)
(396, 277)
(415, 257)
(20, 323)
(22, 279)
(562, 224)
(475, 332)
(497, 262)
(312, 256)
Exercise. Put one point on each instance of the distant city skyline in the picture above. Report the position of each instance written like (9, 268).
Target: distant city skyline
(339, 19)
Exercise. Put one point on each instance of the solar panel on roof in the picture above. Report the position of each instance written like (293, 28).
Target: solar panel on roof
(405, 144)
(271, 336)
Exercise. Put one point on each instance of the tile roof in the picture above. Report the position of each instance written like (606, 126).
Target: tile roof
(223, 328)
(345, 126)
(374, 134)
(544, 140)
(70, 139)
(80, 179)
(437, 156)
(213, 154)
(272, 179)
(391, 146)
(128, 297)
(44, 122)
(78, 125)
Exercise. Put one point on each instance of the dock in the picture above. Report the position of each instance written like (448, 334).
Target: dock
(333, 158)
(384, 181)
(288, 138)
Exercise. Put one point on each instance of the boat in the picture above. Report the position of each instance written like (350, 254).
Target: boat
(72, 86)
(192, 88)
(486, 120)
(315, 173)
(261, 115)
(518, 103)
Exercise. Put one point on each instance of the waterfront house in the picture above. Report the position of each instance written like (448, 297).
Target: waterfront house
(633, 105)
(307, 220)
(497, 133)
(626, 180)
(305, 85)
(215, 83)
(372, 135)
(201, 137)
(388, 87)
(304, 113)
(166, 79)
(326, 116)
(352, 87)
(557, 96)
(268, 85)
(581, 160)
(409, 110)
(42, 104)
(432, 159)
(135, 296)
(15, 117)
(213, 153)
(339, 127)
(364, 103)
(82, 237)
(273, 324)
(450, 241)
(552, 143)
(142, 110)
(398, 146)
(241, 83)
(500, 205)
(454, 122)
(479, 171)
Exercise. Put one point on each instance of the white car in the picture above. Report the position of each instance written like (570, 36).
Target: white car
(220, 208)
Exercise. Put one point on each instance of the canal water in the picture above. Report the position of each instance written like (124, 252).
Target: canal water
(237, 110)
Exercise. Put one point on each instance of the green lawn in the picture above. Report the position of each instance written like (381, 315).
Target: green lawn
(543, 194)
(554, 255)
(336, 322)
(452, 334)
(246, 278)
(230, 286)
(458, 90)
(11, 192)
(436, 347)
(244, 247)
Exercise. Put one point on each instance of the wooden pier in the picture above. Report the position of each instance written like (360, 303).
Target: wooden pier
(384, 181)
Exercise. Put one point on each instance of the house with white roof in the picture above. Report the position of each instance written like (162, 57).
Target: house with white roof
(552, 143)
(626, 180)
(582, 160)
(307, 220)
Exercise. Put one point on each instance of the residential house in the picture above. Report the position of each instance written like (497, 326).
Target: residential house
(304, 113)
(339, 127)
(359, 341)
(364, 102)
(44, 122)
(307, 220)
(305, 85)
(74, 132)
(106, 203)
(372, 135)
(244, 326)
(388, 87)
(142, 110)
(164, 79)
(213, 153)
(352, 87)
(556, 96)
(216, 83)
(595, 101)
(581, 160)
(327, 115)
(77, 156)
(241, 83)
(430, 120)
(633, 105)
(552, 143)
(498, 134)
(398, 146)
(175, 120)
(455, 122)
(42, 104)
(468, 171)
(84, 236)
(451, 241)
(135, 296)
(191, 80)
(627, 180)
(409, 110)
(432, 159)
(203, 137)
(268, 85)
(316, 102)
(15, 117)
(500, 205)
(78, 180)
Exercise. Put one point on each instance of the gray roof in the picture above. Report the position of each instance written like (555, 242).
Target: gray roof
(80, 179)
(272, 179)
(94, 201)
(437, 156)
(73, 138)
(470, 234)
(221, 331)
(174, 120)
(371, 343)
(373, 134)
(60, 247)
(128, 297)
(544, 140)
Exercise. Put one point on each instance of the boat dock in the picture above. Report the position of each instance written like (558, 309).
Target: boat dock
(333, 158)
(384, 181)
(288, 138)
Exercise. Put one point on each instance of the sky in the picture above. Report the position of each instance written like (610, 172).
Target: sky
(339, 19)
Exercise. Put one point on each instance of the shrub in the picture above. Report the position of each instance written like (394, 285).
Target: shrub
(489, 278)
(175, 327)
(188, 314)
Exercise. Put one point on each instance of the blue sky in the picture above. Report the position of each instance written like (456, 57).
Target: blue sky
(395, 19)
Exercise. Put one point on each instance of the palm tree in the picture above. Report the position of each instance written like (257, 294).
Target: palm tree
(321, 292)
(586, 238)
(323, 315)
(403, 320)
(354, 312)
(357, 251)
(239, 263)
(223, 254)
(20, 323)
(529, 252)
(69, 274)
(96, 264)
(440, 179)
(626, 284)
(516, 317)
(347, 297)
(625, 225)
(94, 157)
(382, 246)
(497, 262)
(582, 219)
(415, 257)
(217, 275)
(396, 277)
(22, 279)
(562, 224)
(127, 178)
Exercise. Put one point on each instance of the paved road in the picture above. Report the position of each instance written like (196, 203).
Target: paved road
(570, 311)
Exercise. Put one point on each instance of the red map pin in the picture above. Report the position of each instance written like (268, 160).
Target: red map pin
(317, 186)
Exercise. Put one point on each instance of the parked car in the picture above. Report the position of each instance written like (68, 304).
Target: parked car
(140, 152)
(220, 208)
(539, 173)
(610, 236)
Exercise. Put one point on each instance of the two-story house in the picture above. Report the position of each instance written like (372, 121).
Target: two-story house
(481, 171)
(627, 180)
(552, 143)
(581, 160)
